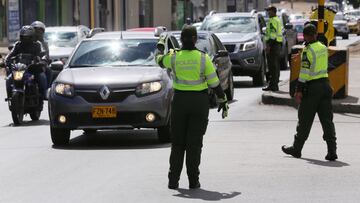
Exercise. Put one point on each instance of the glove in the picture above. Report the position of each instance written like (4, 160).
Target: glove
(161, 44)
(224, 106)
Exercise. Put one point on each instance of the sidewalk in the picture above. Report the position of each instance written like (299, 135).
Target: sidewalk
(350, 104)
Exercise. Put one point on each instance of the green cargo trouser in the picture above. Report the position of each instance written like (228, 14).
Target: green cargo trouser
(189, 119)
(316, 99)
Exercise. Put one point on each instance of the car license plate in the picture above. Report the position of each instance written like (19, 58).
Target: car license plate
(104, 112)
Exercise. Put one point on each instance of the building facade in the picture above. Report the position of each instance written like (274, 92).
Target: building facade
(111, 14)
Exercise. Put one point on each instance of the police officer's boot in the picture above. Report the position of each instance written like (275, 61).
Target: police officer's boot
(173, 182)
(331, 155)
(294, 150)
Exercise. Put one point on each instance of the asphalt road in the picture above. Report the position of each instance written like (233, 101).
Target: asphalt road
(242, 160)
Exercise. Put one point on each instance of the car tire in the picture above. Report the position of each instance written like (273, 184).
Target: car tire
(230, 90)
(35, 115)
(258, 79)
(346, 37)
(60, 136)
(164, 133)
(284, 61)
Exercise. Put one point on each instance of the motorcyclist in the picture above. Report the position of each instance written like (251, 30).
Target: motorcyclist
(39, 36)
(26, 45)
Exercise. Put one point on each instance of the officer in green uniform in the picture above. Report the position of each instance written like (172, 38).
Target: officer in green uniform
(192, 73)
(314, 94)
(273, 38)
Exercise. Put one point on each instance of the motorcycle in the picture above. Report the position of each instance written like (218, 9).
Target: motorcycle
(25, 97)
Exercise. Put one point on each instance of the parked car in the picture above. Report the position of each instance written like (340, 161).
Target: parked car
(340, 24)
(112, 81)
(289, 36)
(62, 41)
(353, 18)
(299, 27)
(197, 25)
(210, 44)
(241, 34)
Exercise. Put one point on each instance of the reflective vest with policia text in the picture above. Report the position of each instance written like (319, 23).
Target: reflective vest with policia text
(192, 70)
(274, 30)
(314, 62)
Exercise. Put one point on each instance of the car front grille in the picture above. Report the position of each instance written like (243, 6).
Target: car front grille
(230, 47)
(93, 96)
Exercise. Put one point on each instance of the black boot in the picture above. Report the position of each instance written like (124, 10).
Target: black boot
(194, 184)
(331, 155)
(294, 150)
(173, 185)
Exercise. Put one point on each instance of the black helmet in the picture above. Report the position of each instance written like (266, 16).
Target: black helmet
(27, 33)
(38, 25)
(309, 29)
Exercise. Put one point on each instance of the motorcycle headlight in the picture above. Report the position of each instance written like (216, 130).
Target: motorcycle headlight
(18, 75)
(64, 89)
(250, 45)
(148, 88)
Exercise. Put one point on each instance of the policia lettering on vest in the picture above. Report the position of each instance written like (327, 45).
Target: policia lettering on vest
(193, 73)
(273, 38)
(314, 94)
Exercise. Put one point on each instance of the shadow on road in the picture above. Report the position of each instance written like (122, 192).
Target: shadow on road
(118, 140)
(30, 123)
(205, 195)
(326, 163)
(244, 84)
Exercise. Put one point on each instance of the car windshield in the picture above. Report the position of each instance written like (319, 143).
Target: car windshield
(202, 42)
(339, 17)
(130, 52)
(299, 28)
(240, 24)
(61, 39)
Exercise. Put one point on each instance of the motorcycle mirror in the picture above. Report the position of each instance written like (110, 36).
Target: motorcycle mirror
(57, 66)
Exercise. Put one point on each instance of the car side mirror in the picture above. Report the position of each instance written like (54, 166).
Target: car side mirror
(289, 26)
(10, 47)
(95, 31)
(57, 66)
(222, 53)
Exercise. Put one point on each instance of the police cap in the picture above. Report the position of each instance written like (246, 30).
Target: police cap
(309, 29)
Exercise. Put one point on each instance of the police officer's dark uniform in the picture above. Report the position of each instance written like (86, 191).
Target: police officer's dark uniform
(193, 72)
(26, 45)
(314, 94)
(273, 38)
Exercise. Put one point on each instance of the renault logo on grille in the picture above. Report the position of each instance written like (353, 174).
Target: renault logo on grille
(104, 92)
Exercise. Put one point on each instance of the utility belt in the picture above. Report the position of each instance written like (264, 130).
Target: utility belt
(205, 91)
(320, 80)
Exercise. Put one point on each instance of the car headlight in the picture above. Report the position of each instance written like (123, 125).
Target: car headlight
(250, 45)
(18, 75)
(64, 89)
(148, 88)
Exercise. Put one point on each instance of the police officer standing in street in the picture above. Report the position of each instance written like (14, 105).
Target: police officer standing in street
(193, 72)
(314, 94)
(273, 38)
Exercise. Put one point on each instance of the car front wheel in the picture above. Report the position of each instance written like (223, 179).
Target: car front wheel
(230, 90)
(258, 79)
(60, 136)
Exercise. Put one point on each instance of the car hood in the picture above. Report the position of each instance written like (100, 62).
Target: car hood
(117, 76)
(340, 22)
(235, 37)
(60, 52)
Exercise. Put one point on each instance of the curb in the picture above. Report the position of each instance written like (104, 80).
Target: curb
(339, 105)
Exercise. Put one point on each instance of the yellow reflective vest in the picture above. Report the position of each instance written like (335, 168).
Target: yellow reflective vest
(274, 30)
(192, 70)
(314, 62)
